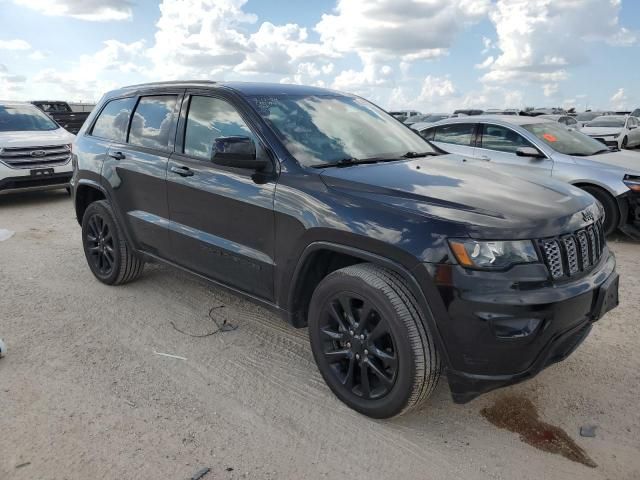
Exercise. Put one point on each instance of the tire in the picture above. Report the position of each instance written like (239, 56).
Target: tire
(611, 210)
(625, 142)
(390, 347)
(109, 256)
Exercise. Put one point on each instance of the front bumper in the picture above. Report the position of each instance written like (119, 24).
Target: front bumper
(21, 179)
(629, 205)
(500, 328)
(608, 141)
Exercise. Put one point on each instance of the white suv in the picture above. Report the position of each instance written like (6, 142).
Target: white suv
(35, 152)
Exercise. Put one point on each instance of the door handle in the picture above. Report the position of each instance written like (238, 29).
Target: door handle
(182, 171)
(117, 155)
(485, 158)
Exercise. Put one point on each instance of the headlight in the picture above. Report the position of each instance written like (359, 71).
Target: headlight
(493, 255)
(633, 182)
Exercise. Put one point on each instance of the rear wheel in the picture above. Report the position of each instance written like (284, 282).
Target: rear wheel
(109, 256)
(611, 210)
(370, 343)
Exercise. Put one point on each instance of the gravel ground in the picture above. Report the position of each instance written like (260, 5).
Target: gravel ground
(83, 395)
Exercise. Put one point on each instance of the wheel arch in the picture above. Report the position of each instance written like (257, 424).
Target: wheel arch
(620, 205)
(85, 193)
(313, 266)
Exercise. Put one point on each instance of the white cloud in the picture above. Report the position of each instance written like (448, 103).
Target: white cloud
(16, 44)
(392, 28)
(90, 10)
(10, 84)
(393, 34)
(93, 75)
(619, 100)
(540, 40)
(486, 63)
(200, 38)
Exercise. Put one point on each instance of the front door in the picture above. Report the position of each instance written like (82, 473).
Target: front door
(222, 220)
(498, 144)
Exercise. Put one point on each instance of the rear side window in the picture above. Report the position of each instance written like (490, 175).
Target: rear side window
(501, 139)
(113, 121)
(457, 134)
(152, 121)
(208, 119)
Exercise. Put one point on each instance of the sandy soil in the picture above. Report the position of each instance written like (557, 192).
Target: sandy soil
(83, 395)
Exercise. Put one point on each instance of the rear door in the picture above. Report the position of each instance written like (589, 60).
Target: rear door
(456, 138)
(136, 168)
(222, 220)
(498, 144)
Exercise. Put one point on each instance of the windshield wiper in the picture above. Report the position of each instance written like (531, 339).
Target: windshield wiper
(349, 161)
(419, 154)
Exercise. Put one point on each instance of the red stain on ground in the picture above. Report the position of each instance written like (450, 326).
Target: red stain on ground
(518, 414)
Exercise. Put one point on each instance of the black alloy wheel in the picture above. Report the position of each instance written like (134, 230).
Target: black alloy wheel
(359, 346)
(100, 246)
(108, 254)
(370, 342)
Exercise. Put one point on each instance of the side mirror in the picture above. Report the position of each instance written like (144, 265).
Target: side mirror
(239, 152)
(632, 127)
(529, 152)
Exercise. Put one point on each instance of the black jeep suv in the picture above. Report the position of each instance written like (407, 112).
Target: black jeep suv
(332, 213)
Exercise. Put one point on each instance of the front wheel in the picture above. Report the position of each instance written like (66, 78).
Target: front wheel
(625, 142)
(109, 256)
(370, 342)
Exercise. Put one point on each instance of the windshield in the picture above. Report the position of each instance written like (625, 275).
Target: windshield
(563, 140)
(433, 118)
(586, 116)
(319, 130)
(611, 122)
(24, 118)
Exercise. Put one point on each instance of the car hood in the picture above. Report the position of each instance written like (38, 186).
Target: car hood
(623, 161)
(35, 139)
(490, 204)
(597, 131)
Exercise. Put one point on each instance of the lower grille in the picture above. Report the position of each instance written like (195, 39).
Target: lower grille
(35, 157)
(570, 255)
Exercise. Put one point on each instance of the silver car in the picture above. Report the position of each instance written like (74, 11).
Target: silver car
(533, 146)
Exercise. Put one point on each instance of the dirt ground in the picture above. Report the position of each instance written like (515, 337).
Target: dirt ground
(84, 396)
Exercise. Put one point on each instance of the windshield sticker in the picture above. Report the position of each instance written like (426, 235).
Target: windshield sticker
(550, 138)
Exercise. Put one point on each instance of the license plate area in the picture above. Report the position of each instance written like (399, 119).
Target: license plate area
(40, 172)
(607, 298)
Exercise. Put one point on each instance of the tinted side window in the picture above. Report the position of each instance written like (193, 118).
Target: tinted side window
(502, 139)
(152, 121)
(208, 119)
(636, 113)
(428, 133)
(457, 134)
(113, 121)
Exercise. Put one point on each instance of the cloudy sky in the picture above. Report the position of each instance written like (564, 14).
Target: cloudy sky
(430, 55)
